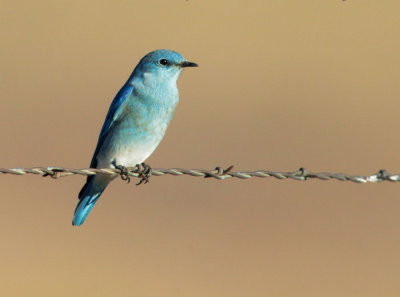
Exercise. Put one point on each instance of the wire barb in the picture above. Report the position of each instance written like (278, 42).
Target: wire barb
(218, 173)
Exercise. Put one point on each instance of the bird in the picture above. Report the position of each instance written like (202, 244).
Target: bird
(135, 123)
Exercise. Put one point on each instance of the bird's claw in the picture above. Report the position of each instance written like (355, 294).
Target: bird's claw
(124, 172)
(144, 172)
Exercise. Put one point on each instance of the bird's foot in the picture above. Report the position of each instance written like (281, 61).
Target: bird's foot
(144, 170)
(124, 172)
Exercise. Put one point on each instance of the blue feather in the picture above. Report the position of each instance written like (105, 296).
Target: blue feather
(112, 115)
(90, 193)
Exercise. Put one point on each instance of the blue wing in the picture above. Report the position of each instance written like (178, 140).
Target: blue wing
(112, 116)
(93, 188)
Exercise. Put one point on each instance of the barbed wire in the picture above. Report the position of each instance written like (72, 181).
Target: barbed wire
(217, 173)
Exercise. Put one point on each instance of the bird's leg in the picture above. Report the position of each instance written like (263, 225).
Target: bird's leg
(124, 171)
(144, 171)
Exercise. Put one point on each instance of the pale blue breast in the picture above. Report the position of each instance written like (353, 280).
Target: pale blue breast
(138, 132)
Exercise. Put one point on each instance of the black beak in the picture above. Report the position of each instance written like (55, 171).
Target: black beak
(188, 64)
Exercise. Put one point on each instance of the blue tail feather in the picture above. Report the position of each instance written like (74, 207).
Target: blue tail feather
(88, 197)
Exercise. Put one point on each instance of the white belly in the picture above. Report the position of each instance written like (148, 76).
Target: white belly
(130, 147)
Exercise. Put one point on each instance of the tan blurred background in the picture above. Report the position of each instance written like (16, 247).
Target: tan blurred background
(281, 84)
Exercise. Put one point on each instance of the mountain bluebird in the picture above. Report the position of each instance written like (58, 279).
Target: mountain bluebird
(135, 123)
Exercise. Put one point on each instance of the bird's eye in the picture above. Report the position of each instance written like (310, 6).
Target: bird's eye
(163, 62)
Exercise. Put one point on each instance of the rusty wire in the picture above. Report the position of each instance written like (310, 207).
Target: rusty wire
(217, 173)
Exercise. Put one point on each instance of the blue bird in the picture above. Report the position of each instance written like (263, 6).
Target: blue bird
(136, 122)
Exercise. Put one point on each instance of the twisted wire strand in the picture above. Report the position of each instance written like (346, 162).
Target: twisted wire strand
(217, 173)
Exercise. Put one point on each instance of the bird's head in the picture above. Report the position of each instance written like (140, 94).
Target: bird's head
(163, 65)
